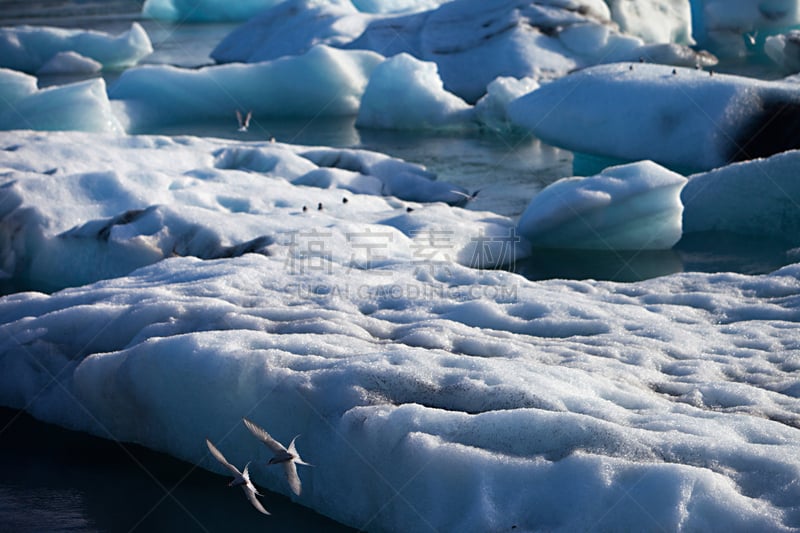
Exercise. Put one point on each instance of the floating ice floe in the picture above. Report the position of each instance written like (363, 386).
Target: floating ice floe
(323, 82)
(406, 93)
(291, 28)
(223, 10)
(78, 208)
(472, 42)
(491, 110)
(204, 10)
(654, 21)
(458, 400)
(31, 48)
(759, 198)
(81, 106)
(683, 118)
(784, 50)
(69, 63)
(737, 28)
(629, 207)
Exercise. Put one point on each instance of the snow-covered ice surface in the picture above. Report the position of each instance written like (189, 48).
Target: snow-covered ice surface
(683, 118)
(73, 213)
(32, 48)
(452, 399)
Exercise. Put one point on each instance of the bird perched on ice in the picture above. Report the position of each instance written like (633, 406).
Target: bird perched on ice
(288, 457)
(244, 121)
(241, 479)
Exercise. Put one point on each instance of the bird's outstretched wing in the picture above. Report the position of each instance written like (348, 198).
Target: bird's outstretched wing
(262, 435)
(221, 458)
(291, 476)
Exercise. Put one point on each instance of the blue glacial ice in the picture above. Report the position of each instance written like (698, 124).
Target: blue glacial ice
(406, 93)
(82, 106)
(32, 48)
(630, 207)
(324, 81)
(739, 28)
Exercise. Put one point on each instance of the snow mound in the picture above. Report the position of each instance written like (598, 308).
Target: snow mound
(629, 207)
(29, 48)
(687, 119)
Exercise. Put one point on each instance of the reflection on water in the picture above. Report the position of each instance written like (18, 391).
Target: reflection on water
(58, 480)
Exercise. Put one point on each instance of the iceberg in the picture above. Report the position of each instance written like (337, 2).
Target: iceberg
(517, 38)
(73, 213)
(465, 400)
(784, 50)
(30, 48)
(629, 207)
(69, 63)
(654, 21)
(687, 119)
(738, 28)
(323, 82)
(81, 106)
(204, 10)
(406, 93)
(757, 198)
(14, 86)
(292, 27)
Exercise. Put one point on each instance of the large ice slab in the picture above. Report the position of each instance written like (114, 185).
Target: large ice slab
(759, 198)
(629, 207)
(323, 82)
(472, 42)
(457, 400)
(81, 106)
(683, 118)
(76, 208)
(29, 48)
